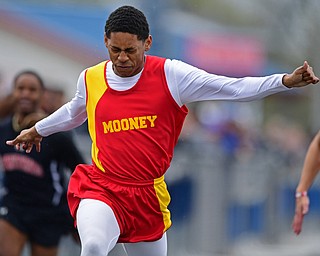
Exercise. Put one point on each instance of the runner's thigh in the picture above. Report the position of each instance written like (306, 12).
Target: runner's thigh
(97, 226)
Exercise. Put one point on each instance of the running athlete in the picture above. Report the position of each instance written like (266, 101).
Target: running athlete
(34, 208)
(135, 107)
(309, 173)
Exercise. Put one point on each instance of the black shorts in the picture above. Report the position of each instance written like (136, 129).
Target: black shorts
(43, 226)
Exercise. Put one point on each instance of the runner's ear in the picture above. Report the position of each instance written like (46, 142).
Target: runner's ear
(148, 43)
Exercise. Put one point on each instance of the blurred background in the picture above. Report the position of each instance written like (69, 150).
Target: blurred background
(236, 165)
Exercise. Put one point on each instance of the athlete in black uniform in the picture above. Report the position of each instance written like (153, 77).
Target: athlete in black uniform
(34, 207)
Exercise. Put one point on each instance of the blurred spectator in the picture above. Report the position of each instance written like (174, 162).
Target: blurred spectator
(34, 207)
(52, 99)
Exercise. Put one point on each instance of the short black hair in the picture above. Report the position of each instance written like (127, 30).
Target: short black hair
(28, 72)
(128, 19)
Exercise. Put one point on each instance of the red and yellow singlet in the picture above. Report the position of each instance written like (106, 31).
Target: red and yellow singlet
(133, 136)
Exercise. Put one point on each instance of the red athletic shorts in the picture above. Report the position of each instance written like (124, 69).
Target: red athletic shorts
(140, 207)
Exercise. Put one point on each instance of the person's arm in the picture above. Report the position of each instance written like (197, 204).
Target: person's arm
(69, 116)
(189, 84)
(309, 172)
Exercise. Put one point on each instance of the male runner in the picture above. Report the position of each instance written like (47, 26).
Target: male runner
(135, 106)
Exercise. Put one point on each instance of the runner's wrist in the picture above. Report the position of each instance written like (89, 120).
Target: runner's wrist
(300, 194)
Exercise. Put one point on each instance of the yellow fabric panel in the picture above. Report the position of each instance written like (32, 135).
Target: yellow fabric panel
(96, 87)
(164, 199)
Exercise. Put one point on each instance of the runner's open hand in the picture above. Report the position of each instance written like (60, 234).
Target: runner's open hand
(26, 139)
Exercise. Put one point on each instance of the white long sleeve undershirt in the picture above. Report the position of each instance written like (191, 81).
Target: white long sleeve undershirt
(186, 83)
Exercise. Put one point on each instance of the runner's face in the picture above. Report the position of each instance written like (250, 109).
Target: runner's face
(28, 93)
(127, 53)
